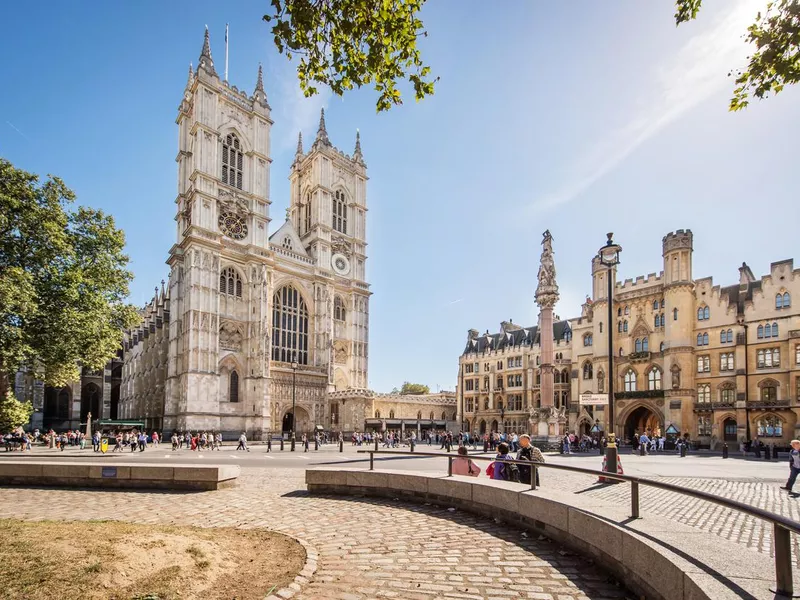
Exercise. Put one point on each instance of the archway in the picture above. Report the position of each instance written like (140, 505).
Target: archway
(640, 421)
(302, 418)
(729, 429)
(483, 427)
(494, 425)
(90, 402)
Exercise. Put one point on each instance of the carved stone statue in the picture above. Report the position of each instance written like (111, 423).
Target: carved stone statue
(230, 338)
(601, 381)
(676, 377)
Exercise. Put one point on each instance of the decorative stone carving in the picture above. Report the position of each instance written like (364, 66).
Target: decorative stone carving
(340, 245)
(676, 377)
(340, 351)
(547, 290)
(230, 337)
(233, 202)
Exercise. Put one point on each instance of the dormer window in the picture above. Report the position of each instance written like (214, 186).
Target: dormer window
(232, 161)
(287, 242)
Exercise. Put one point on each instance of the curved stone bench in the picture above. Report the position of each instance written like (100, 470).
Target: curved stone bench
(655, 557)
(117, 475)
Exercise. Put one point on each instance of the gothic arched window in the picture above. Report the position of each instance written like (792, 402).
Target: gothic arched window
(779, 301)
(391, 414)
(760, 331)
(704, 393)
(232, 161)
(787, 300)
(339, 212)
(587, 370)
(625, 326)
(654, 379)
(630, 380)
(230, 282)
(638, 345)
(645, 345)
(339, 312)
(674, 314)
(233, 393)
(289, 326)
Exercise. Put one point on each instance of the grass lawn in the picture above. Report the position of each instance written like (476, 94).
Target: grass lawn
(122, 561)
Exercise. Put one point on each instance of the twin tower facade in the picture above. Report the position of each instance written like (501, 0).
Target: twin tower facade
(248, 320)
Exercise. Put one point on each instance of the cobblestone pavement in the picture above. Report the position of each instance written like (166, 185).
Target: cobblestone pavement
(713, 518)
(367, 548)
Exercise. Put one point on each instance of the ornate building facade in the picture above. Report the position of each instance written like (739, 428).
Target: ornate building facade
(247, 321)
(720, 363)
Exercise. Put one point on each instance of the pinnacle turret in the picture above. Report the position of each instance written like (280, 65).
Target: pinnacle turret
(357, 156)
(299, 150)
(206, 62)
(322, 132)
(260, 81)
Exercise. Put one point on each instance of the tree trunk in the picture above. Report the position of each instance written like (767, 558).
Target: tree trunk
(4, 381)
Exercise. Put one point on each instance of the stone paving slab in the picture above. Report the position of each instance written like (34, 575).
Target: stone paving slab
(367, 548)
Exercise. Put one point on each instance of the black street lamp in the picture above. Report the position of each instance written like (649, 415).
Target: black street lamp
(609, 257)
(503, 418)
(294, 394)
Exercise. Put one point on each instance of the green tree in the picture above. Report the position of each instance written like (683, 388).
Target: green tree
(63, 281)
(414, 388)
(13, 413)
(776, 60)
(344, 44)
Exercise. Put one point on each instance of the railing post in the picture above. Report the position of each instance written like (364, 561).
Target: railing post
(534, 473)
(634, 499)
(371, 461)
(449, 466)
(783, 561)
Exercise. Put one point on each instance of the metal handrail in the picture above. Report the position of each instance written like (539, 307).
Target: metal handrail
(782, 526)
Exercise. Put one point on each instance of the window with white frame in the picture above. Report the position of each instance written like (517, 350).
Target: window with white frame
(783, 300)
(727, 394)
(654, 379)
(703, 313)
(630, 381)
(232, 161)
(768, 358)
(703, 393)
(702, 339)
(770, 426)
(726, 361)
(704, 426)
(468, 385)
(704, 364)
(587, 339)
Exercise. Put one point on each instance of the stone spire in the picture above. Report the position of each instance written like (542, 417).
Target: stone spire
(357, 156)
(322, 133)
(547, 290)
(206, 62)
(191, 75)
(260, 81)
(299, 151)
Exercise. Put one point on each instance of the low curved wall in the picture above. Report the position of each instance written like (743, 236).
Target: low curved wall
(654, 557)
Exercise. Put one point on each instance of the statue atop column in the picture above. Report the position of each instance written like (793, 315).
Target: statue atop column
(547, 290)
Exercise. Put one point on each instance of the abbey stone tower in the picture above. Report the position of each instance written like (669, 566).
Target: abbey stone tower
(247, 318)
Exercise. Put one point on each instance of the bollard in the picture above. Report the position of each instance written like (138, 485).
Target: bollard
(376, 443)
(281, 443)
(766, 453)
(316, 444)
(341, 445)
(683, 450)
(641, 449)
(724, 450)
(269, 444)
(305, 446)
(412, 444)
(774, 452)
(757, 450)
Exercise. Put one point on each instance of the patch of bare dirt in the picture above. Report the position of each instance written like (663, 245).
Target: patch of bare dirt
(121, 561)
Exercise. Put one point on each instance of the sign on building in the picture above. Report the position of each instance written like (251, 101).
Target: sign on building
(589, 399)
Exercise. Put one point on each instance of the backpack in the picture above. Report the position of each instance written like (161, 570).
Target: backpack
(490, 470)
(511, 472)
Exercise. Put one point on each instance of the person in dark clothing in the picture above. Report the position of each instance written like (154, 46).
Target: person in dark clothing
(531, 453)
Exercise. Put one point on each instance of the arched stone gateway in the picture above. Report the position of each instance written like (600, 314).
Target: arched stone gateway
(304, 424)
(90, 402)
(639, 418)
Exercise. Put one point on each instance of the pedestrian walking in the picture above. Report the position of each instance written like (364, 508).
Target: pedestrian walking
(794, 465)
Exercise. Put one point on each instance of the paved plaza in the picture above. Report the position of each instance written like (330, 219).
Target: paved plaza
(371, 548)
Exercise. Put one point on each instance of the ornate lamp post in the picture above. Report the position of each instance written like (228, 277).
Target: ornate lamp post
(294, 393)
(609, 257)
(503, 417)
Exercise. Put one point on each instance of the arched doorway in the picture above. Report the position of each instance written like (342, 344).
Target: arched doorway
(494, 425)
(90, 402)
(56, 406)
(640, 421)
(302, 418)
(483, 427)
(729, 429)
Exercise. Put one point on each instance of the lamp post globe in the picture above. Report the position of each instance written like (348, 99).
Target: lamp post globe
(608, 255)
(294, 394)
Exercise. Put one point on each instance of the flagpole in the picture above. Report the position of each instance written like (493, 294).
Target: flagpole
(226, 52)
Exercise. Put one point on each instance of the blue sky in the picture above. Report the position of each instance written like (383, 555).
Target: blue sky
(581, 117)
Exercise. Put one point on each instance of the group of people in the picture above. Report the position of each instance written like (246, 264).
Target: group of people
(522, 473)
(201, 440)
